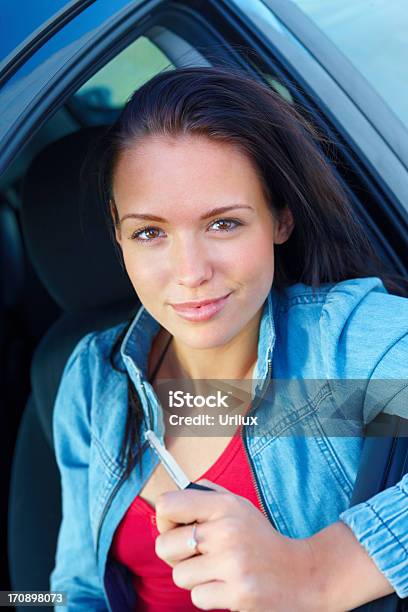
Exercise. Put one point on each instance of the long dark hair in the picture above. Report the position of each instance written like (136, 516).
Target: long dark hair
(327, 244)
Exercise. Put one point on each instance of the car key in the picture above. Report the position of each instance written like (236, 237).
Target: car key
(171, 465)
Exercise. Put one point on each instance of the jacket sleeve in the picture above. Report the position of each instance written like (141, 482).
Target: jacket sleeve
(381, 523)
(75, 571)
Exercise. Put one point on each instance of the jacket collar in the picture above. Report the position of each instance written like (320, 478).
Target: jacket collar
(136, 345)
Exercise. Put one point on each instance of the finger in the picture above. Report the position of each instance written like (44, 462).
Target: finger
(197, 570)
(164, 524)
(212, 537)
(174, 545)
(212, 485)
(190, 506)
(220, 489)
(212, 596)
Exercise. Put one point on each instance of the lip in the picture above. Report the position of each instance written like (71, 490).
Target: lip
(202, 310)
(198, 303)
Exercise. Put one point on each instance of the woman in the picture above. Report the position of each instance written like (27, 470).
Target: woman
(241, 245)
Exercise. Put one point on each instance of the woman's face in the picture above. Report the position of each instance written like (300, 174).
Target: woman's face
(194, 226)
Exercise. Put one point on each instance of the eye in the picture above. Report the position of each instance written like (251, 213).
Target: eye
(146, 234)
(151, 233)
(226, 225)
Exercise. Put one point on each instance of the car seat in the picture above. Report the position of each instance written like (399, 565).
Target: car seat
(14, 363)
(76, 260)
(68, 242)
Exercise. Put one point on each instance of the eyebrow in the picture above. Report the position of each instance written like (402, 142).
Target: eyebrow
(210, 213)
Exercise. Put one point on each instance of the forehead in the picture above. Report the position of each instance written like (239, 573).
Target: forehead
(188, 171)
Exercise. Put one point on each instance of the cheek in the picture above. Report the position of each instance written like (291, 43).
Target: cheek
(146, 273)
(257, 258)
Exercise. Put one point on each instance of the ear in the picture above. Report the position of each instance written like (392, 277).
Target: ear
(283, 226)
(115, 220)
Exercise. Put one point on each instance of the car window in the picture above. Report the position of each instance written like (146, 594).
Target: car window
(359, 29)
(97, 102)
(100, 99)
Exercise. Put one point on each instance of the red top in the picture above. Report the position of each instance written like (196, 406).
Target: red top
(134, 539)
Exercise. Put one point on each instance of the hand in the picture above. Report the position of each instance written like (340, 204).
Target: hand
(243, 562)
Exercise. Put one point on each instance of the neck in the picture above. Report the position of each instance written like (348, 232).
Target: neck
(233, 361)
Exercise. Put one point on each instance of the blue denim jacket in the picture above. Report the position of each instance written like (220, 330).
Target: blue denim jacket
(304, 457)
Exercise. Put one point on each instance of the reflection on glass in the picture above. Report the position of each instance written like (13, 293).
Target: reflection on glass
(373, 36)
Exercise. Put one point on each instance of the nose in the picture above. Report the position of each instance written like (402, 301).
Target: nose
(191, 262)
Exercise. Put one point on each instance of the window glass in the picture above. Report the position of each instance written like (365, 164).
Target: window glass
(373, 36)
(100, 99)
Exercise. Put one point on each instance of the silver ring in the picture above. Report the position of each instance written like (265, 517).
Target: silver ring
(192, 542)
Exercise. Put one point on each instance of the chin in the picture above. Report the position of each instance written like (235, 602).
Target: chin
(205, 338)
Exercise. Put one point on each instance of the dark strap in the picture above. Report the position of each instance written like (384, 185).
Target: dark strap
(384, 462)
(160, 361)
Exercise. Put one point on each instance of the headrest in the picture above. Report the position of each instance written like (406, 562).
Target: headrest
(11, 259)
(65, 229)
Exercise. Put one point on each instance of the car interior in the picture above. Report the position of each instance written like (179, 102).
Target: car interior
(61, 277)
